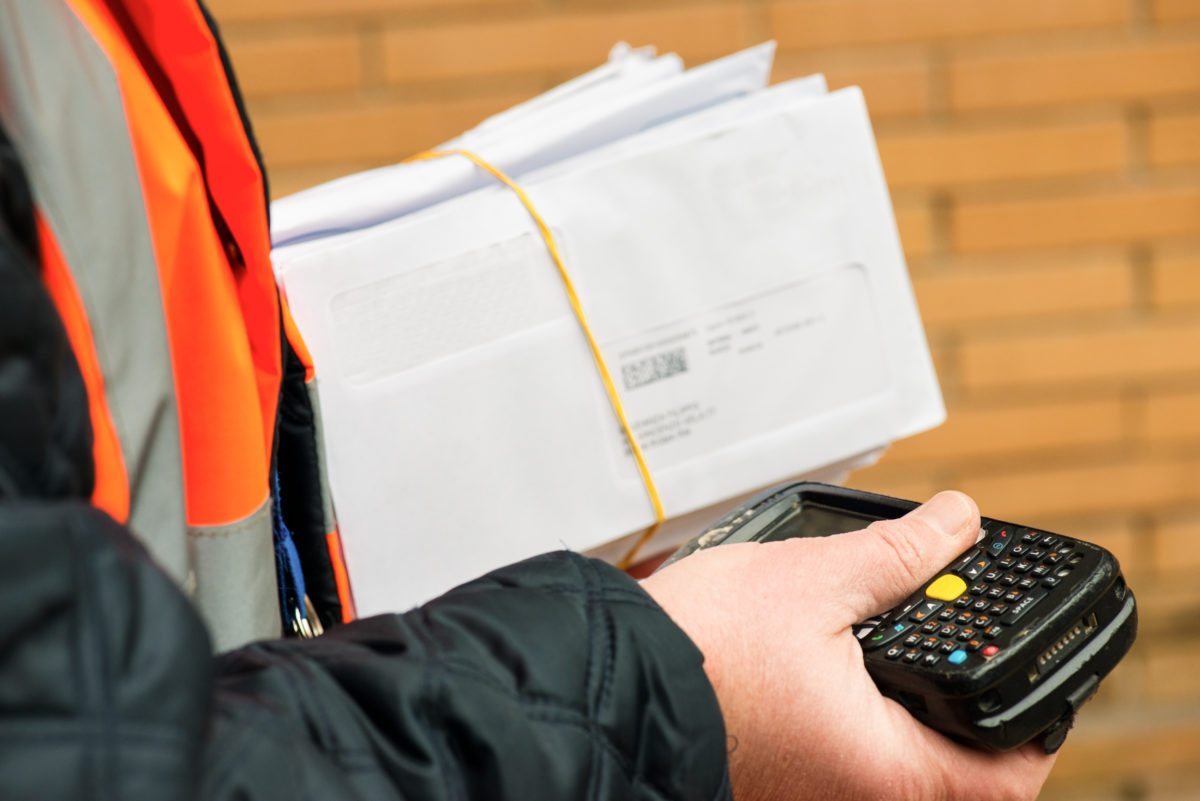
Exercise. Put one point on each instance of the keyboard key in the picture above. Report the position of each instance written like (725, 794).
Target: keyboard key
(1022, 607)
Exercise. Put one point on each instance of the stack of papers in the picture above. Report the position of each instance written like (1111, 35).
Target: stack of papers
(736, 256)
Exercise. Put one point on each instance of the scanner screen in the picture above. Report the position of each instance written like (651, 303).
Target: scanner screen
(814, 520)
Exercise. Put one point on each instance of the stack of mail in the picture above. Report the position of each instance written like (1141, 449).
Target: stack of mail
(735, 253)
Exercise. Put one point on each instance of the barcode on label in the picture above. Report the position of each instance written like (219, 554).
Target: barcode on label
(654, 368)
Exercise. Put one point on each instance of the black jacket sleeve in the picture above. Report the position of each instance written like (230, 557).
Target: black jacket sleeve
(555, 678)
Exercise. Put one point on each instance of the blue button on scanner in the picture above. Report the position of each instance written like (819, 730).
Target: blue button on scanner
(957, 658)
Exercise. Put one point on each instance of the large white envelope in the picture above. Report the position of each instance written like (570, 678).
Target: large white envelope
(744, 279)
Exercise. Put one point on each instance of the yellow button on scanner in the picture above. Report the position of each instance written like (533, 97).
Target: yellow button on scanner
(946, 587)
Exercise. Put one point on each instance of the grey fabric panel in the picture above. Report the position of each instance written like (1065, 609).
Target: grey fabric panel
(235, 579)
(330, 522)
(60, 101)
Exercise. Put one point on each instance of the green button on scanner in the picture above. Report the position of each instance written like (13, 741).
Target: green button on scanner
(946, 587)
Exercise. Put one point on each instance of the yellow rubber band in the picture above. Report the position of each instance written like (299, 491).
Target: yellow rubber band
(605, 376)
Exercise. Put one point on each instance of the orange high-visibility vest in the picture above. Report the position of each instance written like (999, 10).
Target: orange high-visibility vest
(152, 216)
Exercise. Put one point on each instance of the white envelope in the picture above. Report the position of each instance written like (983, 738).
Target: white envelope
(743, 277)
(539, 136)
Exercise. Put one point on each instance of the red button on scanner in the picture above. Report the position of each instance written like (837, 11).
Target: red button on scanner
(991, 650)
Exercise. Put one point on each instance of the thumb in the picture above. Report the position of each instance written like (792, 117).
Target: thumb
(896, 557)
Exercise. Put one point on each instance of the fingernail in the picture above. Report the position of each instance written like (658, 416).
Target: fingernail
(948, 512)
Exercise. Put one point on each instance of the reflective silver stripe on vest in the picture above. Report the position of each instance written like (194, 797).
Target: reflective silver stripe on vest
(230, 562)
(61, 104)
(329, 522)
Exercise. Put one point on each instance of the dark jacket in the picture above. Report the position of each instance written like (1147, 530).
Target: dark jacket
(554, 678)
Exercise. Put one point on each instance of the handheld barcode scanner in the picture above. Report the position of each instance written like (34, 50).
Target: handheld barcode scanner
(1001, 647)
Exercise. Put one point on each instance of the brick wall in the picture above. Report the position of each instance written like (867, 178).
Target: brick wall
(1044, 158)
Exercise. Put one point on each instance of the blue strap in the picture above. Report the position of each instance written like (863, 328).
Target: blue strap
(287, 564)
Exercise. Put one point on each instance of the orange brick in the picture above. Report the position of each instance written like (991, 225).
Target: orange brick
(1082, 790)
(985, 296)
(914, 485)
(1075, 75)
(1130, 742)
(1175, 138)
(1114, 356)
(914, 219)
(556, 43)
(288, 180)
(1077, 219)
(1176, 280)
(373, 133)
(888, 91)
(891, 89)
(1169, 605)
(1174, 10)
(1171, 673)
(1172, 418)
(972, 434)
(282, 10)
(1172, 785)
(957, 156)
(308, 63)
(825, 23)
(1177, 547)
(1037, 493)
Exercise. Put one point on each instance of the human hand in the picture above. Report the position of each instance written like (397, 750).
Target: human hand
(804, 717)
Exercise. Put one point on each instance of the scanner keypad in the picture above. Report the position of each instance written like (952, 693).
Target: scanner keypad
(987, 590)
